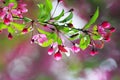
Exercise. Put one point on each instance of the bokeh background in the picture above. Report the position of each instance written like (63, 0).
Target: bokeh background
(20, 60)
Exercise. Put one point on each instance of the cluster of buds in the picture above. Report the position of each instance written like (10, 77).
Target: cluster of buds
(39, 39)
(105, 30)
(7, 13)
(59, 50)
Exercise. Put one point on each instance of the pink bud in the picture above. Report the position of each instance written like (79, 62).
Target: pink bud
(93, 52)
(112, 29)
(60, 0)
(75, 49)
(105, 24)
(6, 21)
(107, 37)
(50, 51)
(61, 48)
(25, 30)
(58, 56)
(10, 36)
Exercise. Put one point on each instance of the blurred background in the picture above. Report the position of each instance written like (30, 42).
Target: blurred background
(20, 60)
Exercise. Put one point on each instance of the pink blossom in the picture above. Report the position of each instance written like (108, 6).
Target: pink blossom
(58, 56)
(50, 51)
(105, 24)
(39, 38)
(93, 52)
(101, 30)
(21, 9)
(7, 13)
(75, 49)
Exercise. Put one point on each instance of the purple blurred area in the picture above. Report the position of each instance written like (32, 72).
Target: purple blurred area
(21, 60)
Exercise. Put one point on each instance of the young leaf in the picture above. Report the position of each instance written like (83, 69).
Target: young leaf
(55, 38)
(69, 17)
(49, 5)
(93, 19)
(59, 16)
(26, 19)
(3, 26)
(11, 30)
(11, 1)
(47, 43)
(44, 32)
(84, 42)
(18, 26)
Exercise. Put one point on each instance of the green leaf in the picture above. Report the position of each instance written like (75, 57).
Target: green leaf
(84, 42)
(47, 43)
(49, 5)
(3, 26)
(60, 15)
(55, 38)
(11, 1)
(18, 26)
(11, 30)
(96, 37)
(93, 19)
(44, 14)
(26, 19)
(68, 18)
(43, 32)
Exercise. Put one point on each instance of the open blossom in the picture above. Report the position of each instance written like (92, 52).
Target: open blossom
(9, 11)
(21, 9)
(39, 38)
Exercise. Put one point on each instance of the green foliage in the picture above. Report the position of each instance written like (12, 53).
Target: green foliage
(26, 19)
(45, 10)
(18, 26)
(59, 16)
(96, 35)
(84, 42)
(11, 1)
(47, 43)
(92, 20)
(68, 18)
(2, 26)
(44, 32)
(11, 30)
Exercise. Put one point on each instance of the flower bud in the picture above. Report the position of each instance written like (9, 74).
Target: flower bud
(105, 24)
(10, 36)
(58, 56)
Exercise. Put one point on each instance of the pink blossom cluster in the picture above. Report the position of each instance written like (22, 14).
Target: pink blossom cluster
(7, 13)
(105, 30)
(39, 39)
(59, 50)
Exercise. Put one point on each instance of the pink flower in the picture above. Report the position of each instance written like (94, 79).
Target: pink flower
(39, 38)
(58, 56)
(21, 9)
(75, 49)
(7, 13)
(101, 30)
